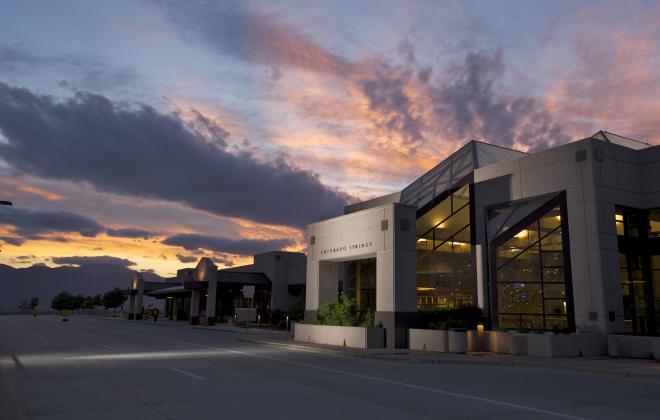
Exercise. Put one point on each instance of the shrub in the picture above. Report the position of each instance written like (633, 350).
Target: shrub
(369, 319)
(344, 313)
(297, 312)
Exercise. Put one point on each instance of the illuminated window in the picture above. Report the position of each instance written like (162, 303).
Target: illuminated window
(444, 253)
(531, 287)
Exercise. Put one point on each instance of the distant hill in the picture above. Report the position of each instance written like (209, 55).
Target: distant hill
(17, 284)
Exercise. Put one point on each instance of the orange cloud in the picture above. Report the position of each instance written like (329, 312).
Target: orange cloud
(12, 184)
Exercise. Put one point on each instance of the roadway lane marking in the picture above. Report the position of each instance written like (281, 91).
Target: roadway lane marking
(373, 378)
(105, 346)
(192, 375)
(44, 339)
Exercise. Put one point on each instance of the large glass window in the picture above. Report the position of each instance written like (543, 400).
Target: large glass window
(361, 283)
(638, 234)
(530, 276)
(444, 253)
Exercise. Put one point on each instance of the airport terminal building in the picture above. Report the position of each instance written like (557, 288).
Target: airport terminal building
(206, 295)
(567, 239)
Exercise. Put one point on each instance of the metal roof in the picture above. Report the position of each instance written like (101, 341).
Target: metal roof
(239, 277)
(620, 140)
(168, 291)
(449, 172)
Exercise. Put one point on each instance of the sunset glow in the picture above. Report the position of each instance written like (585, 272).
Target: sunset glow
(160, 132)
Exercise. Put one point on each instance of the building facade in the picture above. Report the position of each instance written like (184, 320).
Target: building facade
(206, 295)
(567, 239)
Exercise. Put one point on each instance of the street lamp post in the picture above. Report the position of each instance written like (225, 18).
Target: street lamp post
(5, 203)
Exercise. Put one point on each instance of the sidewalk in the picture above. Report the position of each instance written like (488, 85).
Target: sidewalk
(638, 368)
(631, 368)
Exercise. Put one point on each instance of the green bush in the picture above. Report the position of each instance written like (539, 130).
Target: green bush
(297, 312)
(344, 313)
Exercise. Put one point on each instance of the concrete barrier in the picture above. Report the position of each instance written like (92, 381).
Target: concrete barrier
(428, 340)
(567, 345)
(356, 337)
(655, 346)
(630, 346)
(457, 341)
(498, 341)
(443, 341)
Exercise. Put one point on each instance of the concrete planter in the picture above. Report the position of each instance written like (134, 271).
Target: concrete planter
(457, 341)
(498, 341)
(546, 345)
(566, 345)
(655, 346)
(443, 341)
(356, 337)
(520, 344)
(633, 346)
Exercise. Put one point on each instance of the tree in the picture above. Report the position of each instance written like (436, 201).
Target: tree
(79, 301)
(114, 298)
(34, 302)
(88, 303)
(63, 300)
(24, 305)
(98, 300)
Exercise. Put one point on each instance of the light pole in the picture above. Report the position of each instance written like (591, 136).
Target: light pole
(5, 203)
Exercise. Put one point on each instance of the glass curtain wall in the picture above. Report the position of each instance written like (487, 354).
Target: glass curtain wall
(531, 284)
(638, 234)
(444, 253)
(360, 283)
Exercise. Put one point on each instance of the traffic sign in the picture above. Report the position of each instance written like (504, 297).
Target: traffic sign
(248, 292)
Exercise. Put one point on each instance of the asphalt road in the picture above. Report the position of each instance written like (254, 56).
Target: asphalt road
(108, 369)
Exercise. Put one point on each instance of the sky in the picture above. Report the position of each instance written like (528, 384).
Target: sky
(151, 133)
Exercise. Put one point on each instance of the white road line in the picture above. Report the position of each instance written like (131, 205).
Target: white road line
(373, 378)
(105, 346)
(44, 339)
(192, 375)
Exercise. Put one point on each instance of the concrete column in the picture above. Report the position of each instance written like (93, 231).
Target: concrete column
(210, 301)
(324, 277)
(396, 294)
(194, 306)
(139, 310)
(131, 306)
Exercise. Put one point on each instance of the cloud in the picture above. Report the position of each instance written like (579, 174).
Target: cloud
(388, 99)
(186, 259)
(129, 233)
(85, 72)
(469, 105)
(100, 260)
(191, 241)
(11, 240)
(162, 156)
(32, 224)
(253, 35)
(224, 260)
